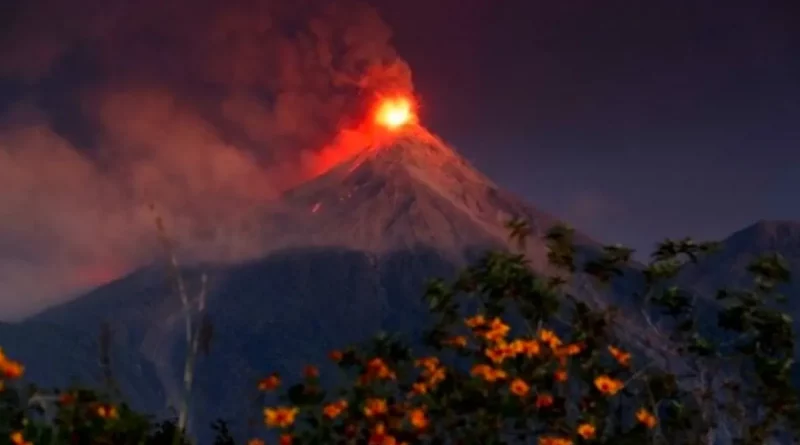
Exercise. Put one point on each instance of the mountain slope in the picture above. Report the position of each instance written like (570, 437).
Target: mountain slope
(415, 191)
(351, 252)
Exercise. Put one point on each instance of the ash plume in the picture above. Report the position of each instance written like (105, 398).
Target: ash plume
(200, 112)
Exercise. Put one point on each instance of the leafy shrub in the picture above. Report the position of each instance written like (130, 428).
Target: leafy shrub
(511, 357)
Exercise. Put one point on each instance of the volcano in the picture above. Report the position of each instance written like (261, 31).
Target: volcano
(351, 252)
(413, 193)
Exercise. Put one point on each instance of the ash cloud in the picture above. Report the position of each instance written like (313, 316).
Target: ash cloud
(200, 112)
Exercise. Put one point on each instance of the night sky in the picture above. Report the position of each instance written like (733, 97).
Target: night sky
(633, 120)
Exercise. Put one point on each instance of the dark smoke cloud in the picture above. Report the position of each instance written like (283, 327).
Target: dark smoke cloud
(198, 111)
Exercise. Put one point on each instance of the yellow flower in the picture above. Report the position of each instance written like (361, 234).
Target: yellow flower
(646, 417)
(269, 383)
(586, 430)
(544, 400)
(280, 417)
(418, 419)
(607, 385)
(332, 410)
(375, 407)
(519, 387)
(622, 357)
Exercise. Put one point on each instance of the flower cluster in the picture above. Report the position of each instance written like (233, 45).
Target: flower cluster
(501, 363)
(9, 369)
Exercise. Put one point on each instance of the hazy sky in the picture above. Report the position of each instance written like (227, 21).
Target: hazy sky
(633, 120)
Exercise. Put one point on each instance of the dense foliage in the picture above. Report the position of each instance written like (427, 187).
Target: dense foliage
(511, 357)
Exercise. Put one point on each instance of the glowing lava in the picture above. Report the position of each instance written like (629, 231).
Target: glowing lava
(394, 113)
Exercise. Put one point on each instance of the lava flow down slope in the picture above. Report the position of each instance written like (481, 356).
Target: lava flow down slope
(350, 254)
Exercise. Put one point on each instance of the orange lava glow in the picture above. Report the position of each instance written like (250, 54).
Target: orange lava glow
(390, 117)
(395, 112)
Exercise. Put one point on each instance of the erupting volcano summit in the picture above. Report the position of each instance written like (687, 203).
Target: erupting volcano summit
(404, 188)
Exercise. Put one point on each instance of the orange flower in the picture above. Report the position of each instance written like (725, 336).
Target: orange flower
(550, 337)
(255, 442)
(380, 437)
(9, 368)
(549, 440)
(544, 400)
(607, 385)
(622, 357)
(587, 431)
(106, 411)
(646, 417)
(530, 348)
(379, 368)
(281, 417)
(476, 321)
(332, 410)
(432, 371)
(311, 372)
(569, 350)
(458, 341)
(498, 353)
(18, 439)
(428, 363)
(285, 439)
(375, 407)
(497, 330)
(418, 419)
(419, 388)
(436, 376)
(488, 373)
(560, 375)
(269, 383)
(519, 387)
(66, 398)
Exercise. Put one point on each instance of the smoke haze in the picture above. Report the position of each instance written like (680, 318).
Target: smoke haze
(200, 112)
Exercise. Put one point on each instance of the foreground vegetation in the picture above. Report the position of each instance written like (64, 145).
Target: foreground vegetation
(511, 356)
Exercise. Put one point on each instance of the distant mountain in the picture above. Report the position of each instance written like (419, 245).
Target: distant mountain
(728, 266)
(351, 252)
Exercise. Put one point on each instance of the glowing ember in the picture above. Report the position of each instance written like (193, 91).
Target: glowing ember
(394, 113)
